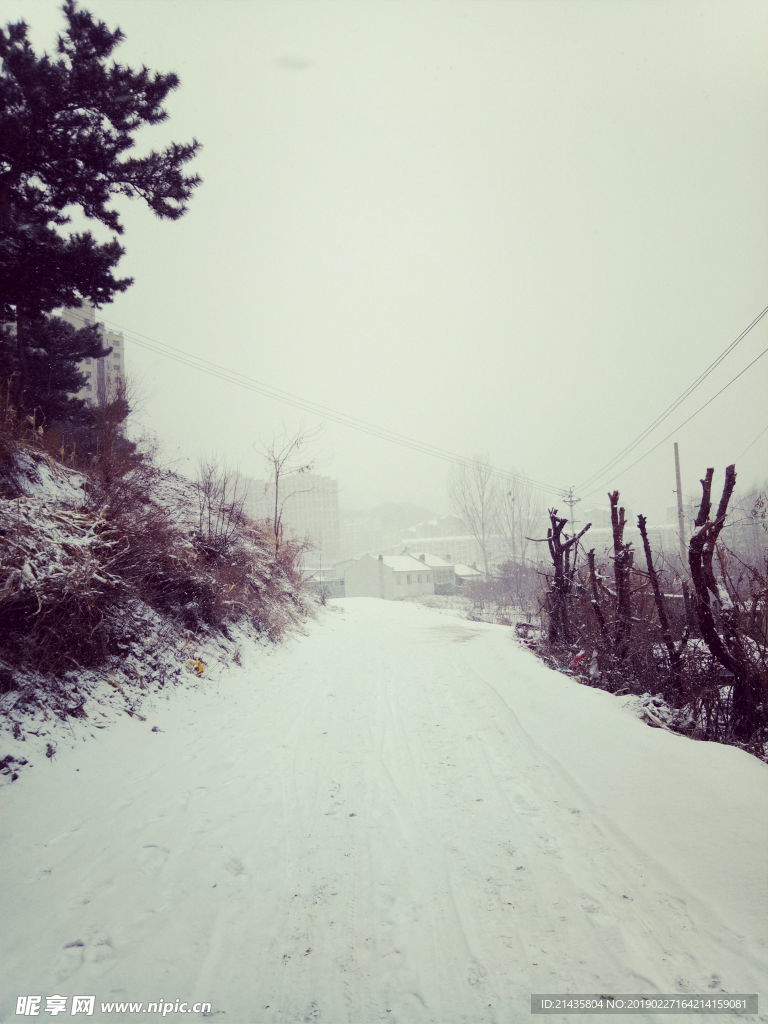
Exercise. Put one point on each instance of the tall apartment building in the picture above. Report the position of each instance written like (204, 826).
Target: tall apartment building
(102, 375)
(310, 504)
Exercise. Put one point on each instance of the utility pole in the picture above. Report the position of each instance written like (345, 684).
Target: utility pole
(510, 517)
(680, 516)
(569, 499)
(681, 537)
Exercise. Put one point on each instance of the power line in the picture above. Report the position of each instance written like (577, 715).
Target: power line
(242, 380)
(674, 405)
(688, 420)
(753, 442)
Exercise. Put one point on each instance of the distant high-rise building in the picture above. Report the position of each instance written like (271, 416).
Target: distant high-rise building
(310, 509)
(103, 375)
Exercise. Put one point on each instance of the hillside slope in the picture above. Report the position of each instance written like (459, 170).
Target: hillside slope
(115, 585)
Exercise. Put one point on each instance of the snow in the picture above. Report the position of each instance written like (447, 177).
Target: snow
(463, 571)
(43, 714)
(432, 561)
(403, 563)
(38, 476)
(400, 816)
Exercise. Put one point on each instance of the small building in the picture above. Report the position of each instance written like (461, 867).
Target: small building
(466, 574)
(324, 582)
(442, 571)
(393, 577)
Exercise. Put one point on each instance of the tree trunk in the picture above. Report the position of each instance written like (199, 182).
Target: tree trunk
(701, 550)
(623, 557)
(560, 552)
(666, 633)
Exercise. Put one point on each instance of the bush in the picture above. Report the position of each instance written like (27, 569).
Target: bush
(58, 583)
(67, 573)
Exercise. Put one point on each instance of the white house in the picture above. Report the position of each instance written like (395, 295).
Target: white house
(390, 576)
(442, 571)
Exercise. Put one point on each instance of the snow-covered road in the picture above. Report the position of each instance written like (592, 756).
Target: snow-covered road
(401, 816)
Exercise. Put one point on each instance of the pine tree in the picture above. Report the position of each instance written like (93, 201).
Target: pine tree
(67, 127)
(54, 350)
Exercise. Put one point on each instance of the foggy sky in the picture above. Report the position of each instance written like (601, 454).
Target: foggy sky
(519, 229)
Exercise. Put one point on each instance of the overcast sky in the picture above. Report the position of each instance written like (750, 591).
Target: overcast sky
(519, 229)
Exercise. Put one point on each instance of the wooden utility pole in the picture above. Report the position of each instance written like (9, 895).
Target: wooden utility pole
(681, 537)
(680, 516)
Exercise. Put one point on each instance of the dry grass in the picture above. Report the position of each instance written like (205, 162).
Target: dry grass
(57, 583)
(67, 573)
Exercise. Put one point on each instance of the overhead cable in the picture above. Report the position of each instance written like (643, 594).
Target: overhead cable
(242, 380)
(688, 420)
(674, 405)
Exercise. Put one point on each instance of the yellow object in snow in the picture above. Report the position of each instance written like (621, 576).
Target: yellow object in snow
(198, 667)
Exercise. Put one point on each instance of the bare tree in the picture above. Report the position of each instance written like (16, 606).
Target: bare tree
(474, 495)
(716, 613)
(518, 517)
(563, 555)
(674, 651)
(747, 526)
(623, 559)
(220, 500)
(286, 459)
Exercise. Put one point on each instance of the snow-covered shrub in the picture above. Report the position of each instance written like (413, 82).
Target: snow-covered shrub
(169, 562)
(74, 559)
(57, 582)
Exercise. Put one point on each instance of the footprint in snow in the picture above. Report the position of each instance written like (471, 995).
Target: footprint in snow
(476, 974)
(548, 845)
(71, 960)
(235, 866)
(75, 955)
(101, 952)
(312, 1012)
(153, 857)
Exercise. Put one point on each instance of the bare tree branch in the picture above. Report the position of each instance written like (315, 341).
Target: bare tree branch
(474, 494)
